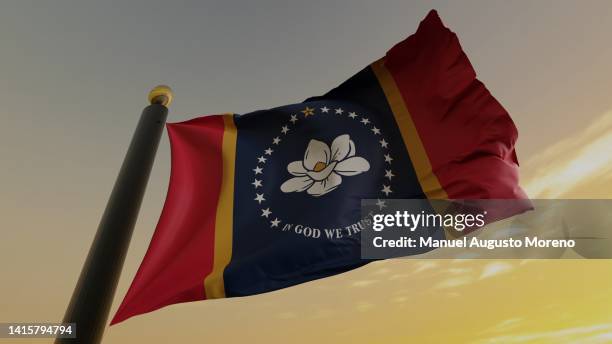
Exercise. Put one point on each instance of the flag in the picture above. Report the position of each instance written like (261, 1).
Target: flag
(271, 199)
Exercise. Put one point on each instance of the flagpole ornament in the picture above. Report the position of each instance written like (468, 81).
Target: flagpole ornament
(161, 95)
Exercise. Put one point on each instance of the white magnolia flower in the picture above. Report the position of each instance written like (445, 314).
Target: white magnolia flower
(322, 168)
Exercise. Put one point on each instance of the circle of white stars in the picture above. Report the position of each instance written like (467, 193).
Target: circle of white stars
(286, 129)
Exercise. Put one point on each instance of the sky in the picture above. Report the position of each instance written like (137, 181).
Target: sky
(74, 78)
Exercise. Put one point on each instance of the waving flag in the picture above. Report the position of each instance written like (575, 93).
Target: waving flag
(271, 199)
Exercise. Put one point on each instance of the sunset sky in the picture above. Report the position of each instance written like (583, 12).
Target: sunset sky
(75, 75)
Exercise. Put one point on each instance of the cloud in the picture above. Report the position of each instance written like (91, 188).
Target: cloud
(574, 161)
(424, 266)
(382, 271)
(496, 268)
(594, 334)
(454, 282)
(398, 276)
(364, 306)
(458, 271)
(400, 299)
(505, 325)
(363, 283)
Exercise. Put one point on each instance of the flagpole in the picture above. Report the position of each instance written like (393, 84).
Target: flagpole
(94, 291)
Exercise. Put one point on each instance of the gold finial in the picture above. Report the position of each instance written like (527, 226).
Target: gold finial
(161, 95)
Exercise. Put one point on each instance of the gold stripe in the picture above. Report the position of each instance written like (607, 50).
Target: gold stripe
(429, 182)
(213, 283)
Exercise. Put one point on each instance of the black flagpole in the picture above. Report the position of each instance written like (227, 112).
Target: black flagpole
(93, 294)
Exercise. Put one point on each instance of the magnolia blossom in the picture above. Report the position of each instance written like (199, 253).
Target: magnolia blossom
(322, 169)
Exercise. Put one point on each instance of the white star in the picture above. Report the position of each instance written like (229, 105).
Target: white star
(285, 129)
(276, 140)
(386, 190)
(384, 143)
(259, 198)
(261, 159)
(269, 151)
(275, 222)
(293, 119)
(388, 158)
(365, 121)
(376, 131)
(266, 212)
(258, 170)
(256, 183)
(352, 115)
(381, 204)
(339, 111)
(389, 174)
(325, 109)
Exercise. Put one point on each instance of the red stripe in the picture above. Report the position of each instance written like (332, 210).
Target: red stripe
(468, 136)
(181, 251)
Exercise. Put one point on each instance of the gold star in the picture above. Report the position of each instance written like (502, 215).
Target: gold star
(308, 112)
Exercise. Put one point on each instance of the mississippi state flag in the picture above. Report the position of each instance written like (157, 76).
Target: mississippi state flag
(271, 199)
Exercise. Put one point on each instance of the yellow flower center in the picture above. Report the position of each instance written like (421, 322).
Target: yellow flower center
(319, 166)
